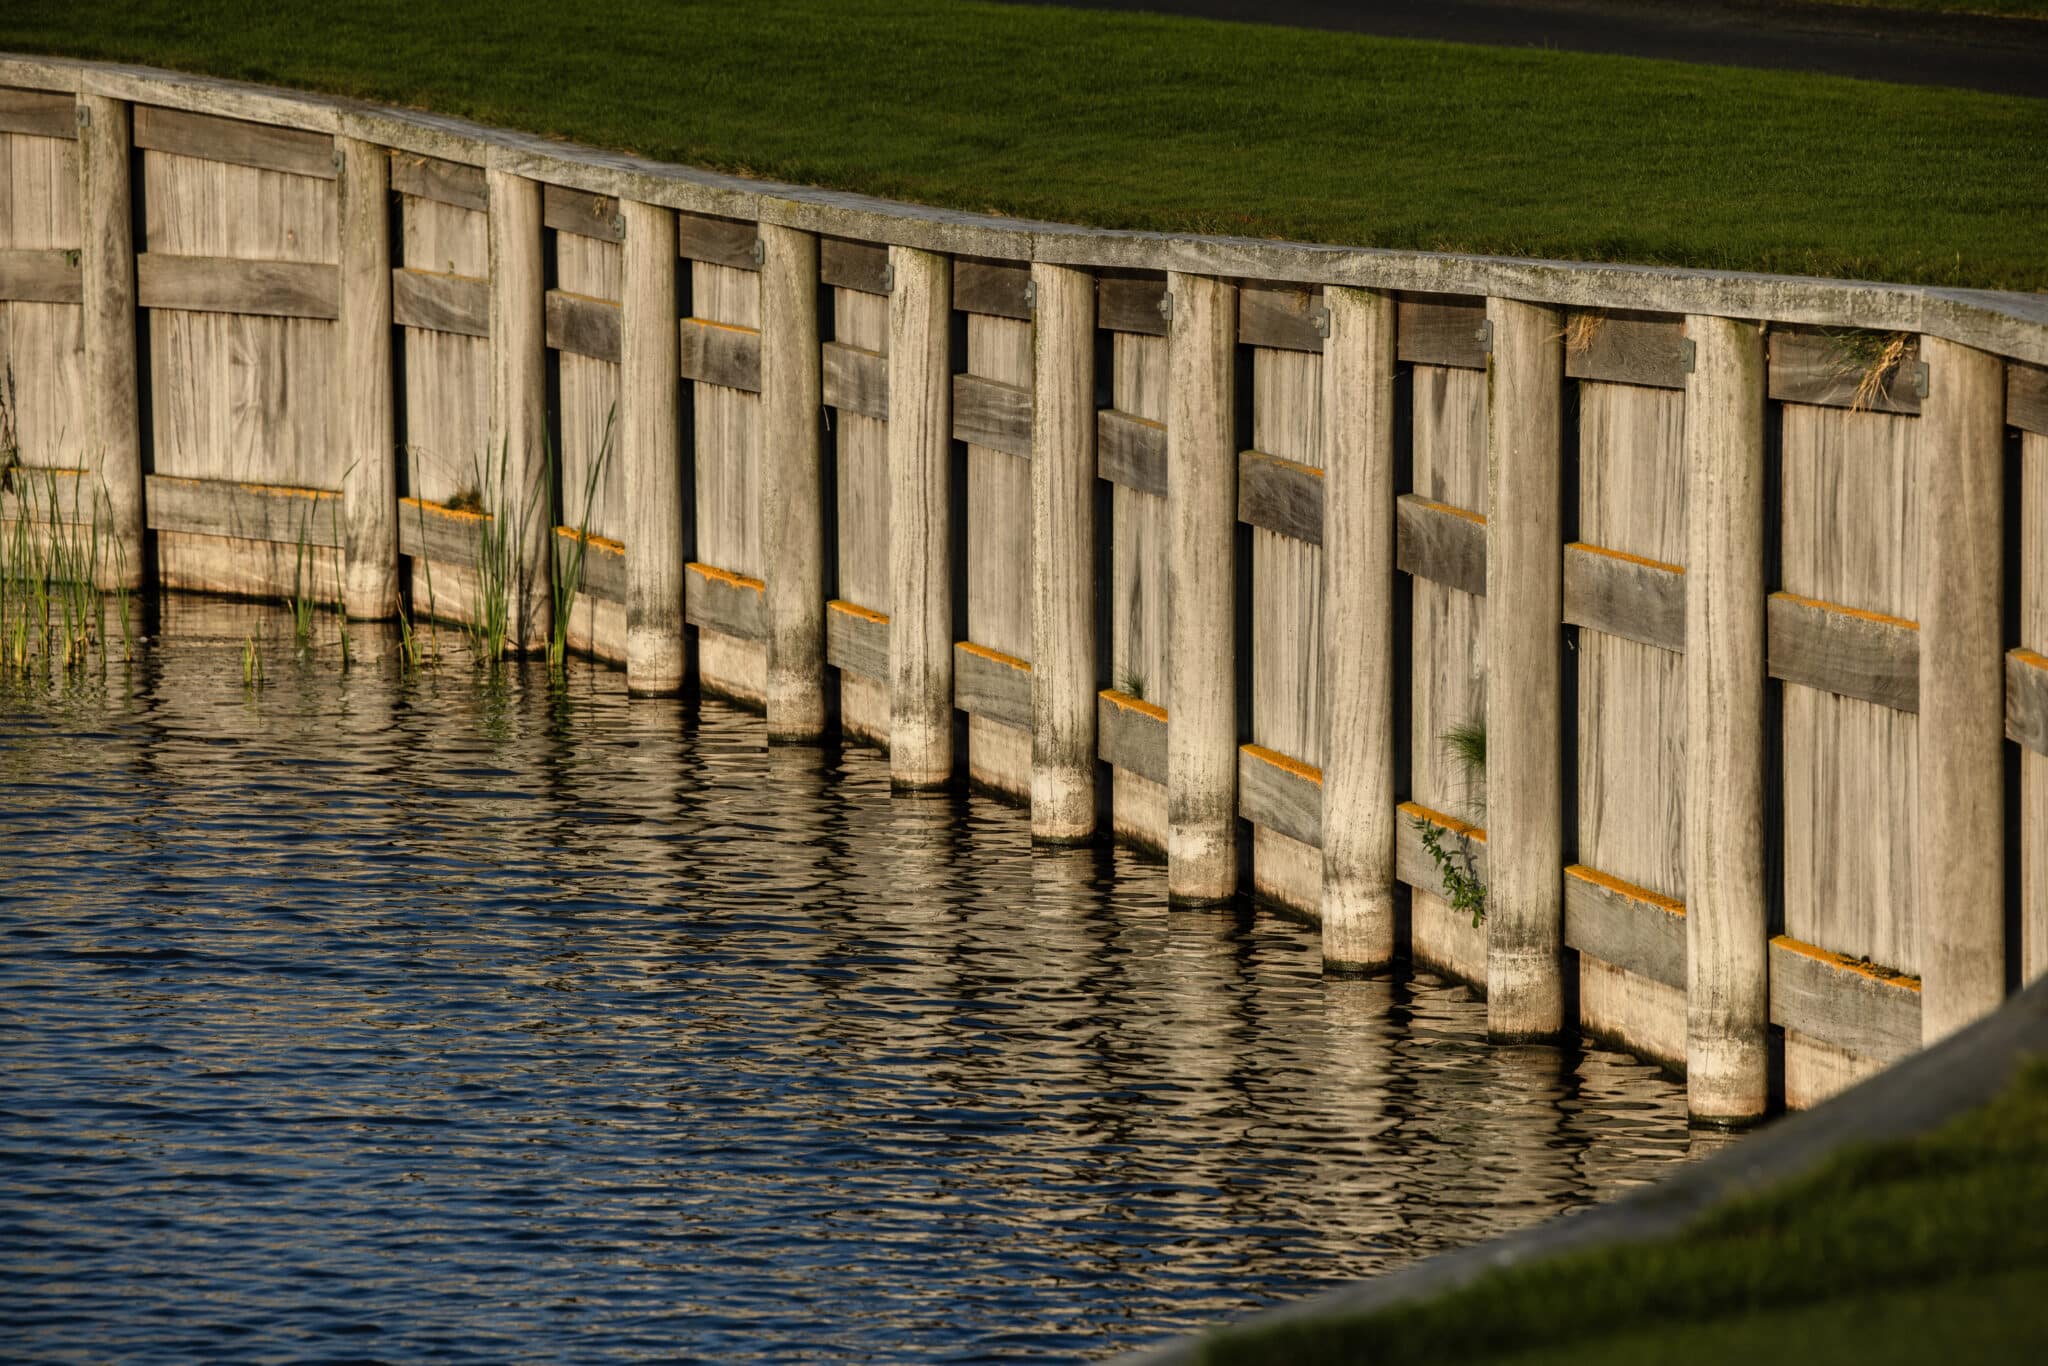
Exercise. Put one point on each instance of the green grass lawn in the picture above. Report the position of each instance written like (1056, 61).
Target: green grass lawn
(1929, 1251)
(1142, 122)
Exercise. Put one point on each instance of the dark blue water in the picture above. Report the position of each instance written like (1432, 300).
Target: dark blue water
(355, 1017)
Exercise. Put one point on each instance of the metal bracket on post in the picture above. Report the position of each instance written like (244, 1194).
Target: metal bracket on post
(1031, 296)
(1166, 305)
(1688, 354)
(1483, 334)
(84, 113)
(1319, 318)
(760, 252)
(340, 162)
(889, 278)
(1917, 373)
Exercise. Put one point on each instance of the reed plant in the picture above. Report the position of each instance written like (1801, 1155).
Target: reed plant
(496, 560)
(53, 609)
(568, 582)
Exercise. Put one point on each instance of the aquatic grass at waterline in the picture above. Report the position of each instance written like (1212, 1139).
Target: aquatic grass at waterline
(53, 607)
(568, 580)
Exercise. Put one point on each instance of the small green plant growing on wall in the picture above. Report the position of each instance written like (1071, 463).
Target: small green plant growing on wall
(1456, 865)
(1130, 683)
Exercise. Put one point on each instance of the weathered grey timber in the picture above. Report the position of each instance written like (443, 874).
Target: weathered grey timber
(49, 276)
(1524, 600)
(438, 302)
(107, 277)
(1845, 651)
(992, 685)
(583, 326)
(792, 484)
(1125, 304)
(604, 565)
(1280, 793)
(1727, 899)
(724, 354)
(581, 213)
(2026, 397)
(1132, 735)
(248, 512)
(1443, 332)
(38, 113)
(996, 288)
(228, 284)
(1625, 350)
(444, 182)
(238, 143)
(856, 639)
(1809, 367)
(1283, 496)
(442, 535)
(364, 383)
(519, 422)
(856, 380)
(722, 601)
(650, 447)
(988, 412)
(1629, 927)
(1283, 317)
(1131, 451)
(717, 241)
(1849, 1005)
(2026, 699)
(853, 265)
(1625, 595)
(1443, 544)
(920, 514)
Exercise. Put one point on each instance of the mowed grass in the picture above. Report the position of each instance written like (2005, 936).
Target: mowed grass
(1136, 121)
(1933, 1250)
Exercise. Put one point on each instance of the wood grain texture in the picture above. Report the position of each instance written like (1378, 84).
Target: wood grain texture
(1138, 601)
(1130, 451)
(921, 565)
(2026, 699)
(717, 241)
(649, 459)
(518, 432)
(861, 321)
(992, 685)
(366, 384)
(856, 381)
(1280, 793)
(992, 414)
(995, 288)
(859, 266)
(1828, 997)
(1287, 713)
(47, 276)
(1412, 863)
(603, 568)
(1442, 331)
(579, 325)
(444, 182)
(1280, 316)
(1621, 595)
(719, 600)
(587, 326)
(1621, 348)
(2026, 397)
(1441, 544)
(582, 214)
(236, 142)
(242, 398)
(250, 512)
(1130, 304)
(1631, 762)
(447, 405)
(727, 497)
(1132, 735)
(225, 284)
(456, 304)
(1628, 927)
(1811, 367)
(2032, 573)
(1632, 474)
(1848, 653)
(39, 113)
(998, 545)
(443, 238)
(793, 494)
(40, 235)
(721, 354)
(1282, 496)
(40, 192)
(857, 639)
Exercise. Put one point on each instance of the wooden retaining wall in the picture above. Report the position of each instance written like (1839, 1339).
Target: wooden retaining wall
(291, 332)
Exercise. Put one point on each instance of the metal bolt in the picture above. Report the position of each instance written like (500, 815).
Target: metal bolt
(1166, 306)
(1320, 319)
(1031, 296)
(760, 252)
(618, 225)
(1483, 334)
(84, 116)
(1688, 353)
(889, 278)
(340, 162)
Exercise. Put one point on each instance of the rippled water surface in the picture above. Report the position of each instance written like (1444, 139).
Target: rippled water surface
(354, 1017)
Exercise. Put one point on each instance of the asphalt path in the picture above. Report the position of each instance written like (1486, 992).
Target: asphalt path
(1970, 52)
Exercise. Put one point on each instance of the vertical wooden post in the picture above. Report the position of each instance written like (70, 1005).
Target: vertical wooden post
(519, 396)
(792, 483)
(367, 420)
(650, 367)
(1961, 855)
(1727, 915)
(1201, 570)
(1358, 631)
(107, 274)
(1063, 670)
(920, 514)
(1524, 612)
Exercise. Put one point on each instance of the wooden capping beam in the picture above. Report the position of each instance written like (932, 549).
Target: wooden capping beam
(235, 141)
(2026, 397)
(32, 276)
(2026, 699)
(721, 353)
(582, 213)
(443, 182)
(39, 113)
(1626, 926)
(1280, 793)
(992, 685)
(434, 302)
(1282, 496)
(583, 326)
(857, 640)
(794, 496)
(726, 242)
(988, 412)
(859, 266)
(1131, 734)
(113, 418)
(249, 512)
(441, 534)
(366, 382)
(604, 564)
(227, 284)
(1843, 650)
(1625, 595)
(1413, 866)
(920, 445)
(856, 380)
(1443, 544)
(651, 448)
(1441, 331)
(996, 288)
(519, 390)
(1283, 317)
(1125, 303)
(722, 601)
(1131, 451)
(1625, 349)
(1809, 367)
(1960, 836)
(1841, 1002)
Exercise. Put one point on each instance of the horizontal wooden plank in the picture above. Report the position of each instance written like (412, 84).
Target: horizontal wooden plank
(38, 113)
(1280, 316)
(2026, 397)
(857, 640)
(582, 213)
(226, 284)
(853, 265)
(1127, 303)
(250, 512)
(1443, 544)
(1625, 349)
(33, 493)
(992, 287)
(604, 564)
(722, 353)
(717, 241)
(444, 182)
(1280, 495)
(1624, 595)
(40, 277)
(988, 412)
(1130, 451)
(722, 601)
(1831, 370)
(1840, 1001)
(1441, 331)
(234, 141)
(1842, 650)
(1624, 925)
(434, 302)
(1412, 863)
(1131, 734)
(583, 326)
(2026, 699)
(856, 380)
(441, 534)
(992, 685)
(1279, 793)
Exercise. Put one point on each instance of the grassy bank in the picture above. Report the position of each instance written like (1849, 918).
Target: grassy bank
(1142, 122)
(1927, 1251)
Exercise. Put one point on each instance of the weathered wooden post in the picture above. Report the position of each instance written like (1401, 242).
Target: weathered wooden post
(1201, 568)
(650, 363)
(1358, 631)
(364, 393)
(1524, 612)
(920, 512)
(1063, 662)
(1961, 854)
(107, 276)
(792, 484)
(519, 395)
(1727, 925)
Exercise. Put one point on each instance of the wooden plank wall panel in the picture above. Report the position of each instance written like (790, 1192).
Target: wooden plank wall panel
(2033, 571)
(999, 502)
(1287, 688)
(728, 433)
(447, 377)
(43, 344)
(1631, 696)
(1849, 532)
(589, 395)
(1138, 622)
(862, 319)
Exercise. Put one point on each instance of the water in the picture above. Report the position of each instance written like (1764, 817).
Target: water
(358, 1018)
